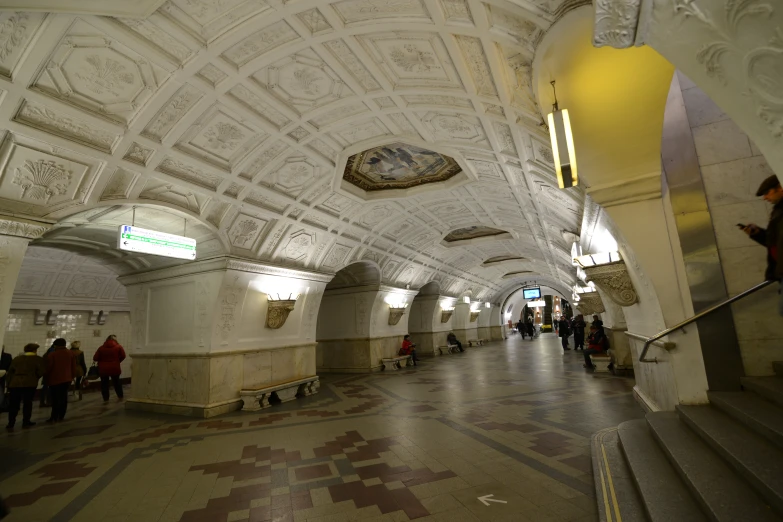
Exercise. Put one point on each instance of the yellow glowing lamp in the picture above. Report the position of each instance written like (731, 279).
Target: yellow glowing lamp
(563, 148)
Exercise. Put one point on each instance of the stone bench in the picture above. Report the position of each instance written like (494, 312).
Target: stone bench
(257, 399)
(601, 362)
(395, 362)
(477, 342)
(449, 349)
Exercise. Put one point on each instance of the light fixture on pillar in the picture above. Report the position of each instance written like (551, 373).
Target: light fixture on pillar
(474, 311)
(397, 306)
(278, 308)
(562, 145)
(446, 310)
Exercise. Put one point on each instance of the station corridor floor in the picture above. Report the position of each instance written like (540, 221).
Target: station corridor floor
(498, 433)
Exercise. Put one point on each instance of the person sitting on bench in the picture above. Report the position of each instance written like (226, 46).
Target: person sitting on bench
(452, 339)
(597, 344)
(408, 348)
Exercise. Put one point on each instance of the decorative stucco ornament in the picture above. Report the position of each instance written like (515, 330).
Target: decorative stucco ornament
(590, 303)
(445, 315)
(613, 279)
(277, 312)
(395, 314)
(474, 316)
(616, 23)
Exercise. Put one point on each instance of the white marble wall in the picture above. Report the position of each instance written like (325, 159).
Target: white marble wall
(732, 169)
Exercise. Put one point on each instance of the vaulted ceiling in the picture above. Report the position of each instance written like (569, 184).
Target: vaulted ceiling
(240, 113)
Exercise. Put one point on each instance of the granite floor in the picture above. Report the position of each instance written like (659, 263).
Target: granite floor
(498, 433)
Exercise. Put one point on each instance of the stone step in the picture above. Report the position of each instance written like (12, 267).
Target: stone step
(616, 493)
(664, 496)
(756, 413)
(771, 388)
(759, 461)
(723, 495)
(778, 367)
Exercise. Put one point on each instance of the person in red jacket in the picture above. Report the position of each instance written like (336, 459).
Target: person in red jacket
(60, 371)
(109, 356)
(408, 348)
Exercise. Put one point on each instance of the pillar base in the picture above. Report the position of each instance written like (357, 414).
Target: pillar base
(203, 411)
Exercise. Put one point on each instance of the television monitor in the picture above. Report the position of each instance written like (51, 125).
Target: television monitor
(532, 293)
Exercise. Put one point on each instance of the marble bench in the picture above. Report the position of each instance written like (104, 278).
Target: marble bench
(478, 342)
(395, 362)
(450, 348)
(257, 399)
(601, 362)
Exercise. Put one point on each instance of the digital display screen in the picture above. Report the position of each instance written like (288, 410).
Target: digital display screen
(532, 293)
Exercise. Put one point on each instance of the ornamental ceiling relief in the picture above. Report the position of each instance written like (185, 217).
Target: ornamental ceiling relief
(247, 134)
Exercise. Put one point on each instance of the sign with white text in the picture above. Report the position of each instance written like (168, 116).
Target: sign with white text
(143, 241)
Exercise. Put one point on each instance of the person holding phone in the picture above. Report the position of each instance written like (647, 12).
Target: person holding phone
(772, 236)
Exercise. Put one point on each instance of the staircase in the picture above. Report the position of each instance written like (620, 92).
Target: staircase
(720, 463)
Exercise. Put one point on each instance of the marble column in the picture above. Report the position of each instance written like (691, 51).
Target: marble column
(15, 235)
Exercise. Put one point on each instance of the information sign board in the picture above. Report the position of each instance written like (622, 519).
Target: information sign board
(143, 241)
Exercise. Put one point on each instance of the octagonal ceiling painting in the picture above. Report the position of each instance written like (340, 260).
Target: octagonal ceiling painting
(398, 166)
(474, 232)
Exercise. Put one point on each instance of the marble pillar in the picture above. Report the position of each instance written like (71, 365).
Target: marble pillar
(199, 334)
(15, 235)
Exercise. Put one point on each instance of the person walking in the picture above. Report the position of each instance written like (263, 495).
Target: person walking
(45, 397)
(60, 371)
(531, 328)
(22, 377)
(772, 236)
(563, 331)
(5, 363)
(521, 328)
(579, 326)
(109, 358)
(81, 367)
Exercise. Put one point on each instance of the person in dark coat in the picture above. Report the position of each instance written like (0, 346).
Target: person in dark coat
(563, 331)
(452, 339)
(81, 367)
(109, 356)
(23, 375)
(5, 363)
(597, 322)
(60, 371)
(531, 329)
(579, 326)
(45, 397)
(521, 328)
(597, 343)
(772, 236)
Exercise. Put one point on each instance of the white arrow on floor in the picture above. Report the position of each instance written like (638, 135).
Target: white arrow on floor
(486, 499)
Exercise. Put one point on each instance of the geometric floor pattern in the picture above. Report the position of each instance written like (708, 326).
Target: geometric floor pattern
(506, 424)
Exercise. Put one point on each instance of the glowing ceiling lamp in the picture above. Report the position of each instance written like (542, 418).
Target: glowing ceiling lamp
(562, 145)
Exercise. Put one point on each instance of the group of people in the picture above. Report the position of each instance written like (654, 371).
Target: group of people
(526, 328)
(58, 368)
(597, 341)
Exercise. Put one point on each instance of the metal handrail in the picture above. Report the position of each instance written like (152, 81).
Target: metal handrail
(698, 316)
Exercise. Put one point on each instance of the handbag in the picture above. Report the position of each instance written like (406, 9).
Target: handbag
(92, 373)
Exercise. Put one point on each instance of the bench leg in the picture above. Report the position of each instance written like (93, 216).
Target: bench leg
(287, 394)
(250, 404)
(263, 400)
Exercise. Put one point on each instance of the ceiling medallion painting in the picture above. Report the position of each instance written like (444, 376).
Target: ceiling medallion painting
(398, 166)
(502, 259)
(474, 232)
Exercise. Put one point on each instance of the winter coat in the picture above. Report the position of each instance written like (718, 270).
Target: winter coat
(109, 356)
(60, 366)
(25, 371)
(563, 329)
(772, 238)
(579, 328)
(81, 365)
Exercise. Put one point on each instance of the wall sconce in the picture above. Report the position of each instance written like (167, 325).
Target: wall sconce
(278, 309)
(466, 300)
(562, 145)
(474, 316)
(487, 305)
(445, 313)
(396, 313)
